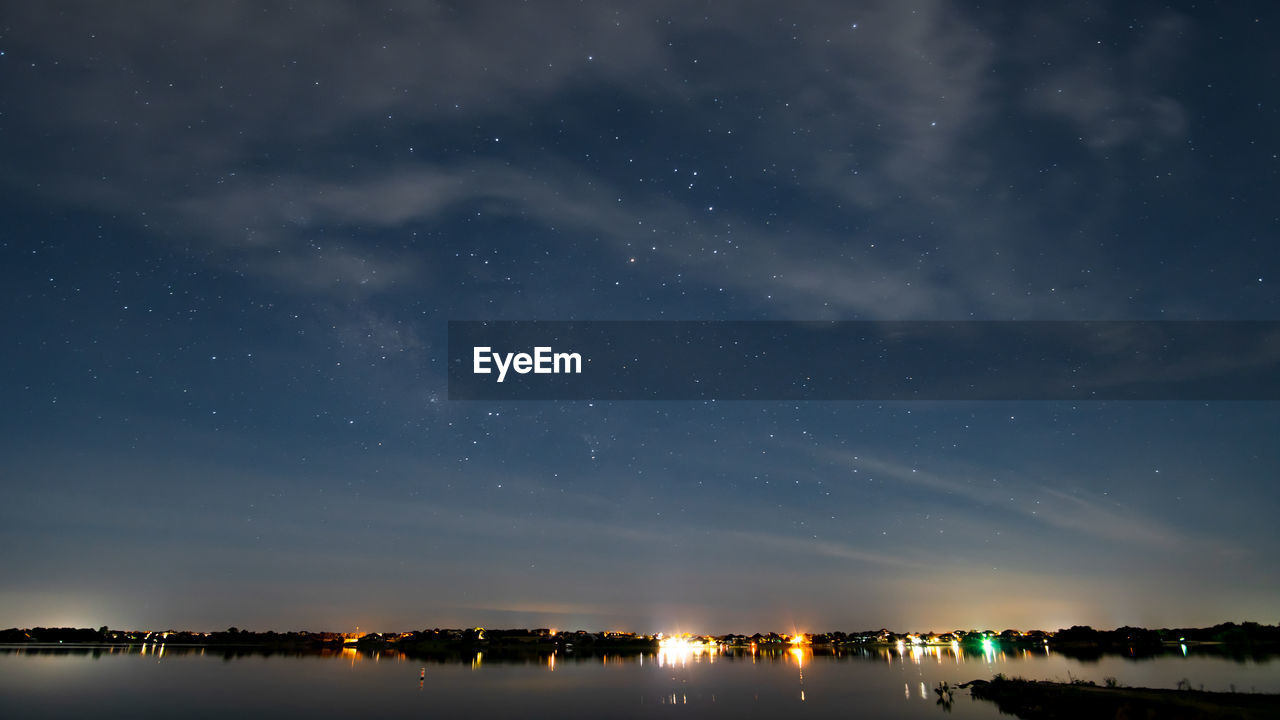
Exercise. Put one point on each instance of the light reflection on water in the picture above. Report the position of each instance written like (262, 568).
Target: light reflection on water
(741, 682)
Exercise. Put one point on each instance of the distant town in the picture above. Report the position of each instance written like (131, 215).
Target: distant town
(1074, 640)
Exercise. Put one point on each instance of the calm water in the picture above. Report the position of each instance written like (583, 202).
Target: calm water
(193, 682)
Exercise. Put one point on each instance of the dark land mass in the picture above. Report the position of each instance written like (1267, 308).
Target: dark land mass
(1243, 640)
(1039, 700)
(443, 642)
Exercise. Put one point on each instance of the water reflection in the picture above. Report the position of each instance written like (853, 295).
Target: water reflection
(679, 655)
(682, 650)
(798, 653)
(746, 680)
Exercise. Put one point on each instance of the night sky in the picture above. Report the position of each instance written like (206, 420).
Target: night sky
(234, 233)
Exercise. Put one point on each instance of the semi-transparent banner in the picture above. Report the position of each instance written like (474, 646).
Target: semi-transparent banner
(901, 360)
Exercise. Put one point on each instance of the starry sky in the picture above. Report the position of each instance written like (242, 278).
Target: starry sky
(234, 234)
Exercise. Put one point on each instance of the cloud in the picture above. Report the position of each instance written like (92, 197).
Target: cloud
(237, 70)
(812, 547)
(337, 270)
(877, 131)
(1081, 514)
(1078, 512)
(1109, 93)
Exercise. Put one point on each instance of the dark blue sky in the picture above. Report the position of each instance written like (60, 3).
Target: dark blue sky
(234, 233)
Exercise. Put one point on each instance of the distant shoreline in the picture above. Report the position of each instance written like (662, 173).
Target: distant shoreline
(1078, 641)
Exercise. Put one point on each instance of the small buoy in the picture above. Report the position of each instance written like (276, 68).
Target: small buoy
(423, 674)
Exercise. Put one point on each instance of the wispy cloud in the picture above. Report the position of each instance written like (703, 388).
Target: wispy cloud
(1079, 512)
(237, 135)
(1087, 516)
(1110, 94)
(813, 547)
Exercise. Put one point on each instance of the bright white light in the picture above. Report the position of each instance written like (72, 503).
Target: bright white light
(680, 649)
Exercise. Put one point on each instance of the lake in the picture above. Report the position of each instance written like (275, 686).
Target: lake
(158, 680)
